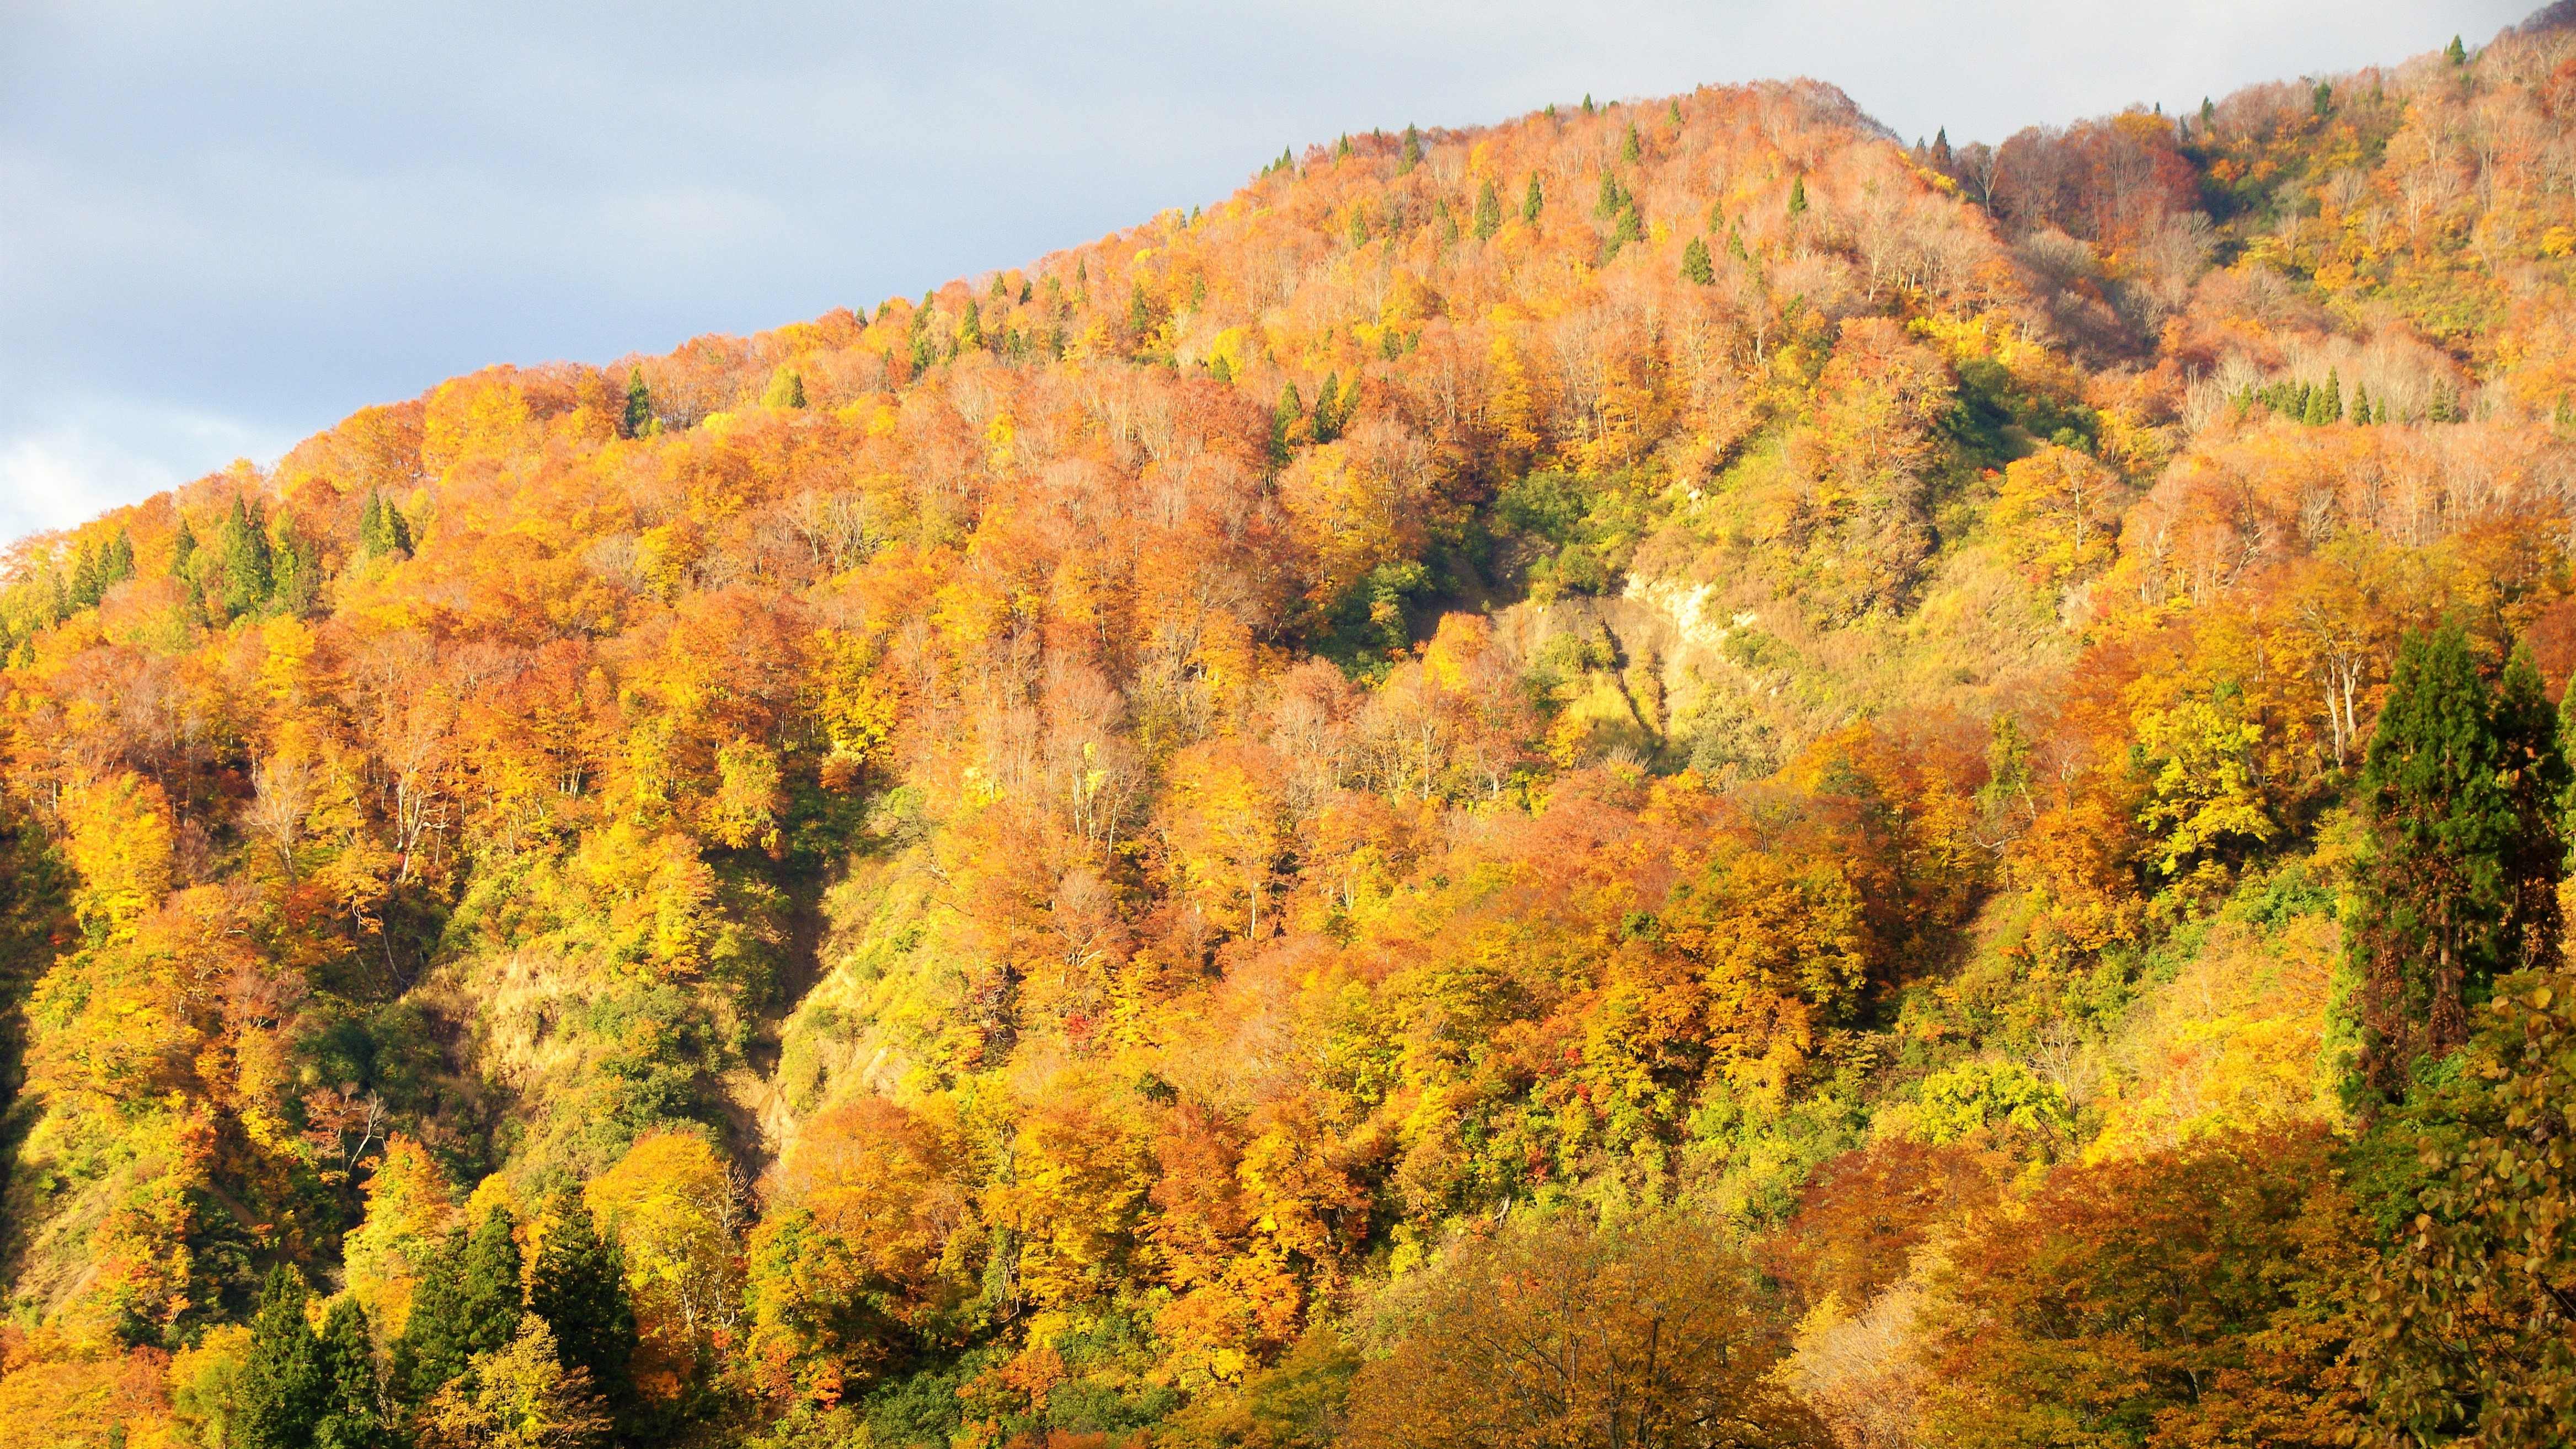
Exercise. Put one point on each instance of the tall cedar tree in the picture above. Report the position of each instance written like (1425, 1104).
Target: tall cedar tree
(248, 562)
(639, 406)
(1533, 201)
(490, 1303)
(578, 1287)
(1695, 263)
(346, 1359)
(382, 530)
(1489, 210)
(432, 1348)
(2460, 790)
(284, 1393)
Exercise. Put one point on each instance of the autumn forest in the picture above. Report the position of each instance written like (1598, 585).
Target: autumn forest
(1674, 773)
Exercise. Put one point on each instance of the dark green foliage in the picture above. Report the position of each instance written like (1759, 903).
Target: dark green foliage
(1220, 369)
(2461, 792)
(787, 388)
(1332, 408)
(489, 1302)
(2464, 1320)
(99, 573)
(1533, 201)
(1797, 195)
(432, 1349)
(970, 333)
(1284, 421)
(248, 563)
(2456, 53)
(1695, 263)
(578, 1287)
(183, 547)
(297, 566)
(346, 1359)
(1489, 210)
(1611, 199)
(638, 418)
(1412, 153)
(85, 588)
(382, 530)
(1629, 150)
(284, 1391)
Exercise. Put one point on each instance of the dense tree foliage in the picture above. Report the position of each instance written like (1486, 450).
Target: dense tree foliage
(1661, 773)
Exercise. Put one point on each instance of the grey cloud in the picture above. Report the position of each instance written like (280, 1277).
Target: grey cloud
(222, 228)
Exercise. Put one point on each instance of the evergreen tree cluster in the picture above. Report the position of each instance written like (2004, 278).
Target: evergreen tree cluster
(2465, 790)
(382, 530)
(474, 1301)
(2318, 405)
(94, 572)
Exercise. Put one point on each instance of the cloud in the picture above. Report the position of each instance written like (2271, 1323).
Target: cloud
(96, 457)
(272, 214)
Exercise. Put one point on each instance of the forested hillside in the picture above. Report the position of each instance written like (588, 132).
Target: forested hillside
(1674, 773)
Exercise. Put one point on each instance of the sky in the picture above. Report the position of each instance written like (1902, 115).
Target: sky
(225, 227)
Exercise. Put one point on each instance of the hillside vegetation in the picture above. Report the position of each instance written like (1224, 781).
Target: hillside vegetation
(1666, 774)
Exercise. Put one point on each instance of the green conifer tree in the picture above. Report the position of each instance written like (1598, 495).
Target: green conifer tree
(1220, 369)
(1587, 103)
(638, 419)
(2455, 52)
(489, 1301)
(578, 1286)
(1695, 263)
(1489, 210)
(283, 1390)
(1676, 116)
(1532, 201)
(1328, 409)
(787, 389)
(1941, 157)
(1358, 233)
(1412, 153)
(970, 328)
(2461, 791)
(249, 564)
(432, 1348)
(1285, 422)
(346, 1359)
(116, 561)
(85, 588)
(1629, 149)
(1797, 195)
(1630, 227)
(183, 547)
(1607, 205)
(2360, 405)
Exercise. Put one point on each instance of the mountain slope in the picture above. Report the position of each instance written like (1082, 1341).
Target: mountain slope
(1057, 857)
